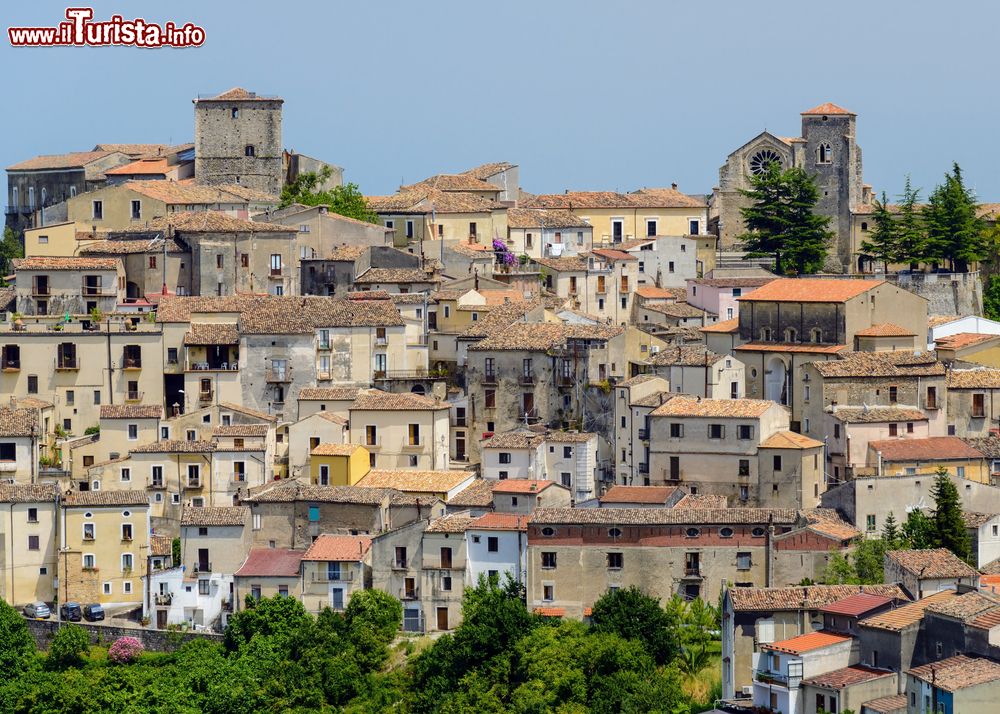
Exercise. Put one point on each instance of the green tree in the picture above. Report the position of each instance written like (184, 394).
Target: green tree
(347, 200)
(948, 523)
(10, 248)
(839, 570)
(955, 233)
(781, 222)
(918, 531)
(633, 615)
(911, 235)
(891, 533)
(868, 559)
(175, 551)
(991, 297)
(881, 244)
(376, 611)
(279, 619)
(17, 648)
(69, 647)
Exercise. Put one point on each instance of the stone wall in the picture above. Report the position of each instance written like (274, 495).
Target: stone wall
(946, 293)
(153, 640)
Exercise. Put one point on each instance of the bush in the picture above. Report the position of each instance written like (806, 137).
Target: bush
(16, 645)
(69, 646)
(125, 650)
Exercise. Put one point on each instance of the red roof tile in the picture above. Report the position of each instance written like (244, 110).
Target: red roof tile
(521, 485)
(807, 642)
(857, 605)
(931, 448)
(639, 494)
(338, 548)
(811, 290)
(271, 563)
(550, 611)
(501, 522)
(828, 108)
(846, 677)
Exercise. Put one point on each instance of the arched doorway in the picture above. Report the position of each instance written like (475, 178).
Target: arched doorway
(418, 389)
(776, 381)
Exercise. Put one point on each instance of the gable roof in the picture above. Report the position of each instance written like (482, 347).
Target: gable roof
(931, 448)
(639, 494)
(720, 408)
(895, 363)
(521, 485)
(902, 617)
(932, 563)
(807, 642)
(789, 440)
(828, 108)
(857, 604)
(131, 411)
(215, 516)
(810, 290)
(50, 162)
(271, 563)
(885, 329)
(426, 481)
(803, 597)
(847, 677)
(56, 263)
(338, 548)
(980, 378)
(377, 400)
(874, 415)
(18, 422)
(958, 672)
(328, 449)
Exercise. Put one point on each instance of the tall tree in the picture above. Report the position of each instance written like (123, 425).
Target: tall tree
(891, 534)
(347, 200)
(10, 248)
(882, 239)
(949, 525)
(918, 530)
(782, 223)
(955, 233)
(911, 236)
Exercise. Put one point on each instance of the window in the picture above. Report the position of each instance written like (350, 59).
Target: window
(777, 462)
(127, 561)
(136, 210)
(616, 561)
(870, 522)
(89, 561)
(70, 396)
(692, 532)
(400, 557)
(744, 431)
(33, 542)
(371, 435)
(743, 561)
(133, 432)
(893, 394)
(566, 479)
(126, 474)
(275, 264)
(893, 429)
(670, 266)
(548, 532)
(824, 154)
(676, 431)
(567, 452)
(694, 227)
(978, 405)
(97, 210)
(413, 434)
(492, 544)
(244, 260)
(32, 384)
(548, 592)
(490, 398)
(504, 457)
(716, 431)
(548, 560)
(313, 514)
(726, 532)
(126, 531)
(817, 335)
(409, 229)
(650, 226)
(249, 150)
(744, 467)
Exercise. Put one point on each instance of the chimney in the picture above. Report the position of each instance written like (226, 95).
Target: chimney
(674, 186)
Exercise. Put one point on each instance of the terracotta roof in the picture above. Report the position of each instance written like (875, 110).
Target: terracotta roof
(803, 597)
(966, 606)
(938, 320)
(847, 677)
(789, 440)
(161, 545)
(338, 548)
(678, 310)
(855, 415)
(962, 340)
(543, 218)
(807, 642)
(982, 378)
(933, 563)
(637, 380)
(639, 494)
(457, 523)
(289, 491)
(335, 449)
(684, 355)
(106, 498)
(857, 605)
(54, 263)
(414, 480)
(906, 615)
(132, 246)
(142, 166)
(394, 275)
(241, 430)
(565, 263)
(521, 485)
(702, 501)
(828, 108)
(27, 492)
(723, 326)
(18, 422)
(198, 221)
(886, 705)
(485, 171)
(810, 290)
(644, 198)
(613, 256)
(452, 182)
(956, 673)
(332, 394)
(331, 417)
(424, 199)
(931, 448)
(72, 160)
(885, 329)
(550, 611)
(499, 318)
(248, 411)
(500, 522)
(517, 439)
(754, 282)
(237, 94)
(803, 347)
(683, 406)
(140, 149)
(835, 528)
(131, 411)
(377, 400)
(252, 195)
(987, 620)
(541, 336)
(215, 516)
(271, 563)
(284, 315)
(178, 446)
(664, 516)
(210, 333)
(897, 363)
(651, 292)
(977, 520)
(478, 494)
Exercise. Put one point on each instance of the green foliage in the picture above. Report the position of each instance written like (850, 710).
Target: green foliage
(891, 533)
(633, 615)
(991, 297)
(69, 647)
(839, 570)
(175, 551)
(918, 530)
(10, 249)
(911, 236)
(17, 648)
(882, 243)
(781, 222)
(955, 233)
(96, 429)
(347, 200)
(277, 619)
(949, 525)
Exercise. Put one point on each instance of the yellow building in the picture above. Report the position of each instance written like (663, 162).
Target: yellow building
(616, 217)
(969, 347)
(338, 464)
(60, 240)
(422, 212)
(910, 457)
(105, 547)
(28, 537)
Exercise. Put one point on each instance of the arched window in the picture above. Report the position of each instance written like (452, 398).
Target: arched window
(791, 335)
(824, 154)
(31, 197)
(765, 334)
(817, 335)
(14, 198)
(72, 191)
(864, 225)
(45, 194)
(234, 113)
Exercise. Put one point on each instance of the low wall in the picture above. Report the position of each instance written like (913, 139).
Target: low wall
(153, 640)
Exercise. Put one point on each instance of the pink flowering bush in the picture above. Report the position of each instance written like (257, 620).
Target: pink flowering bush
(503, 255)
(125, 650)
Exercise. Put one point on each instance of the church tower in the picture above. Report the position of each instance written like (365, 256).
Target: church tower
(237, 140)
(832, 157)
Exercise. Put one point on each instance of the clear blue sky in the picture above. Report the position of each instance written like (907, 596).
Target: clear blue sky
(582, 95)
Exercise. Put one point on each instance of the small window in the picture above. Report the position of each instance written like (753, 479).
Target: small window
(676, 431)
(616, 561)
(744, 431)
(757, 532)
(504, 457)
(249, 150)
(692, 532)
(614, 532)
(870, 522)
(548, 532)
(716, 431)
(726, 532)
(548, 560)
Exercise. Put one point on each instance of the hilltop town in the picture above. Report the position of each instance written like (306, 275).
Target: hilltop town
(216, 390)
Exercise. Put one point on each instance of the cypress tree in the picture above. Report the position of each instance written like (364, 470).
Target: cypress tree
(882, 239)
(948, 524)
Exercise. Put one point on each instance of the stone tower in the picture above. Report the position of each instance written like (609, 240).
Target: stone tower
(832, 157)
(237, 140)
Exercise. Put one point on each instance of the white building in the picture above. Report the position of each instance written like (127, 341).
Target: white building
(568, 458)
(496, 545)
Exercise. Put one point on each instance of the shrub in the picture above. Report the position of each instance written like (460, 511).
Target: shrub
(69, 646)
(125, 650)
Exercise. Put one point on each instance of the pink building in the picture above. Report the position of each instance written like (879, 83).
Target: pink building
(719, 295)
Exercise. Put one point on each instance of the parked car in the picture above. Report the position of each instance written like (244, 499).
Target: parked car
(93, 612)
(71, 611)
(37, 611)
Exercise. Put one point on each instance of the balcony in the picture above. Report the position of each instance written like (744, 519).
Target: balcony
(239, 476)
(459, 421)
(414, 445)
(643, 467)
(41, 291)
(203, 566)
(209, 367)
(194, 483)
(97, 292)
(134, 396)
(163, 598)
(489, 378)
(693, 572)
(643, 434)
(530, 415)
(12, 365)
(205, 397)
(276, 273)
(333, 577)
(782, 680)
(131, 364)
(381, 341)
(323, 346)
(277, 376)
(565, 380)
(409, 593)
(399, 564)
(157, 484)
(528, 377)
(410, 374)
(67, 364)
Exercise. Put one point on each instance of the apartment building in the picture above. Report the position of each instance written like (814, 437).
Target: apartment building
(268, 572)
(20, 440)
(972, 400)
(741, 449)
(720, 296)
(896, 457)
(68, 286)
(635, 398)
(547, 233)
(404, 430)
(29, 541)
(697, 371)
(335, 567)
(600, 283)
(568, 458)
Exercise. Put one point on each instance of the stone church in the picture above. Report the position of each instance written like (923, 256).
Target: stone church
(827, 150)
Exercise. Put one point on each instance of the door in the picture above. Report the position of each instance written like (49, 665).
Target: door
(446, 557)
(161, 619)
(528, 404)
(337, 598)
(442, 618)
(203, 564)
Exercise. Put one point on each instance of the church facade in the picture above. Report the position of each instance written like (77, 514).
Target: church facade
(828, 151)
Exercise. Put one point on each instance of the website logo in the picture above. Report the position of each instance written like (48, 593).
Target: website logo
(80, 30)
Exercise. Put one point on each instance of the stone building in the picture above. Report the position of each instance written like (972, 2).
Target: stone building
(68, 286)
(237, 140)
(972, 401)
(922, 572)
(635, 398)
(827, 151)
